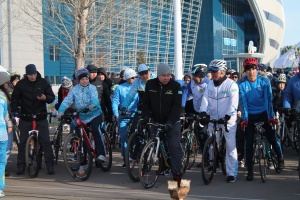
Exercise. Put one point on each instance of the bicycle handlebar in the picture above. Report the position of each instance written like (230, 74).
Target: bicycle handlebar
(219, 121)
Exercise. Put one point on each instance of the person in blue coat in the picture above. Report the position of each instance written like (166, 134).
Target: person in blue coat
(84, 95)
(120, 94)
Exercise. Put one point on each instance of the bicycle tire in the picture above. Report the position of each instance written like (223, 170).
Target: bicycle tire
(16, 136)
(184, 144)
(74, 156)
(222, 156)
(262, 159)
(210, 144)
(193, 147)
(57, 142)
(146, 166)
(295, 139)
(105, 166)
(133, 152)
(32, 157)
(274, 159)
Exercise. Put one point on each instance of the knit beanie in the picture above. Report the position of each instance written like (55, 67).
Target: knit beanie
(129, 73)
(163, 68)
(66, 82)
(30, 69)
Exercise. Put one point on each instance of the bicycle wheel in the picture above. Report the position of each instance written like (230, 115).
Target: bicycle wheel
(149, 165)
(105, 166)
(16, 136)
(274, 158)
(193, 147)
(295, 137)
(222, 156)
(32, 156)
(134, 149)
(262, 159)
(78, 158)
(209, 159)
(185, 153)
(57, 142)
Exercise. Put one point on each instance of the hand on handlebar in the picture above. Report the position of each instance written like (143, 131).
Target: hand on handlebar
(204, 118)
(167, 127)
(224, 120)
(244, 124)
(272, 121)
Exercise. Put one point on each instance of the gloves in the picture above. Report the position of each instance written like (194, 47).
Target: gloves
(91, 107)
(224, 119)
(273, 121)
(167, 127)
(287, 111)
(244, 124)
(204, 118)
(59, 115)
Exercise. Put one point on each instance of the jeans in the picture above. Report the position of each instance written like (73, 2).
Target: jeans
(3, 147)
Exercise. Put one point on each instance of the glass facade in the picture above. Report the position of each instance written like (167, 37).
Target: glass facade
(141, 31)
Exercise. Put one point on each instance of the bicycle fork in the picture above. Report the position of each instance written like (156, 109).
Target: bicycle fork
(156, 151)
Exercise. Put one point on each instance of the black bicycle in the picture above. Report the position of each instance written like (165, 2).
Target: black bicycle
(155, 157)
(112, 130)
(214, 152)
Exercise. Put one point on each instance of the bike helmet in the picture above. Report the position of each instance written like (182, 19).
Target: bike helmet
(288, 70)
(261, 67)
(66, 82)
(14, 76)
(199, 70)
(217, 64)
(250, 63)
(80, 73)
(230, 71)
(281, 78)
(270, 75)
(4, 75)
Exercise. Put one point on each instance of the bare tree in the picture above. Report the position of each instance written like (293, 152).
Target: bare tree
(75, 25)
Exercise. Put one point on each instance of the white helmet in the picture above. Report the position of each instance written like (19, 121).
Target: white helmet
(217, 64)
(129, 73)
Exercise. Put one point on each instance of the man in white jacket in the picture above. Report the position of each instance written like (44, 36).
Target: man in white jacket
(220, 101)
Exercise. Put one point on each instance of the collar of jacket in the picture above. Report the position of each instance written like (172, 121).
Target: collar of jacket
(220, 81)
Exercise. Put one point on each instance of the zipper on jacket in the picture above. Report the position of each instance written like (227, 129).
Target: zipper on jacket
(160, 103)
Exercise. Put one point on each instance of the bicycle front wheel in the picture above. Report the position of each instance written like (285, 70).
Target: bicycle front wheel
(32, 156)
(106, 165)
(185, 153)
(134, 149)
(262, 157)
(149, 165)
(209, 160)
(57, 142)
(193, 147)
(78, 157)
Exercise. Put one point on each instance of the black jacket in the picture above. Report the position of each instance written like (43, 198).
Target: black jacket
(25, 95)
(162, 103)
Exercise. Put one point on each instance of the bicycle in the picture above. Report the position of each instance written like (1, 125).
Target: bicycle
(214, 152)
(111, 129)
(16, 130)
(57, 139)
(79, 150)
(155, 157)
(135, 145)
(263, 151)
(33, 150)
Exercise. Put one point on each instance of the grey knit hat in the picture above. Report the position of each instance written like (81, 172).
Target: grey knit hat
(163, 68)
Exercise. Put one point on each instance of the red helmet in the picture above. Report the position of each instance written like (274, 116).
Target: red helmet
(250, 61)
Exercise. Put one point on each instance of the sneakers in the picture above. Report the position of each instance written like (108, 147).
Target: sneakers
(2, 194)
(231, 179)
(241, 163)
(281, 163)
(50, 171)
(124, 166)
(82, 169)
(270, 165)
(20, 170)
(101, 158)
(249, 176)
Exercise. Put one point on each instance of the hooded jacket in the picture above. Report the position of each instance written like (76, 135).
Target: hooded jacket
(25, 95)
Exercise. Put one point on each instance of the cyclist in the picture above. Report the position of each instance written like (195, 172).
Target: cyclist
(103, 93)
(119, 95)
(220, 101)
(196, 88)
(85, 95)
(162, 103)
(256, 104)
(66, 85)
(291, 100)
(33, 93)
(278, 93)
(103, 77)
(229, 73)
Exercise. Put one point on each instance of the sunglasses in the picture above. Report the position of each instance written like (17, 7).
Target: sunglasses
(234, 76)
(133, 78)
(213, 71)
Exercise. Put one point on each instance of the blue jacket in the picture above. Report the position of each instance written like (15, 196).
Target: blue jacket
(119, 96)
(3, 114)
(82, 97)
(292, 92)
(256, 97)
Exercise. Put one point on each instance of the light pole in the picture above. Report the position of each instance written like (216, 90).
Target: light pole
(177, 40)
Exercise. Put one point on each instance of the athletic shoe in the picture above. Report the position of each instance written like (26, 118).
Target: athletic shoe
(101, 158)
(2, 194)
(82, 169)
(249, 176)
(231, 179)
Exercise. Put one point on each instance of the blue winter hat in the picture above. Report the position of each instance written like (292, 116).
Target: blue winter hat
(30, 69)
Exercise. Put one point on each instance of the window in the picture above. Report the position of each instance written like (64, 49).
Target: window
(274, 43)
(54, 53)
(274, 19)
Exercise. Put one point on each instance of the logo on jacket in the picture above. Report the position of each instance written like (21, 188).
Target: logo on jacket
(169, 92)
(152, 91)
(259, 88)
(201, 90)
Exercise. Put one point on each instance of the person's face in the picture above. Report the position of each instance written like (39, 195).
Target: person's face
(216, 74)
(164, 78)
(145, 77)
(131, 80)
(6, 86)
(197, 79)
(84, 81)
(187, 80)
(251, 74)
(235, 78)
(93, 75)
(281, 86)
(15, 82)
(32, 77)
(208, 75)
(102, 77)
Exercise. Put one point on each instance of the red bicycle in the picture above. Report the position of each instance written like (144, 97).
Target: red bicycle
(79, 150)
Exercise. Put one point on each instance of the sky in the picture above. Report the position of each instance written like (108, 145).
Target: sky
(292, 24)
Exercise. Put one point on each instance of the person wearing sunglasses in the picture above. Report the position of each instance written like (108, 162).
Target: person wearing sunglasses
(192, 97)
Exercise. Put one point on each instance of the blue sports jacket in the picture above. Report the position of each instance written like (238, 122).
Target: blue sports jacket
(292, 93)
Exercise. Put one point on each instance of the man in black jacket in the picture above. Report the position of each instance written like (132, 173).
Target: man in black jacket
(103, 92)
(162, 103)
(33, 93)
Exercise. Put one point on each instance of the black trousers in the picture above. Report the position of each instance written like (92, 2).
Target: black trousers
(43, 128)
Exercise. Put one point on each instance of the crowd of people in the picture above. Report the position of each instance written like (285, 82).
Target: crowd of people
(211, 92)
